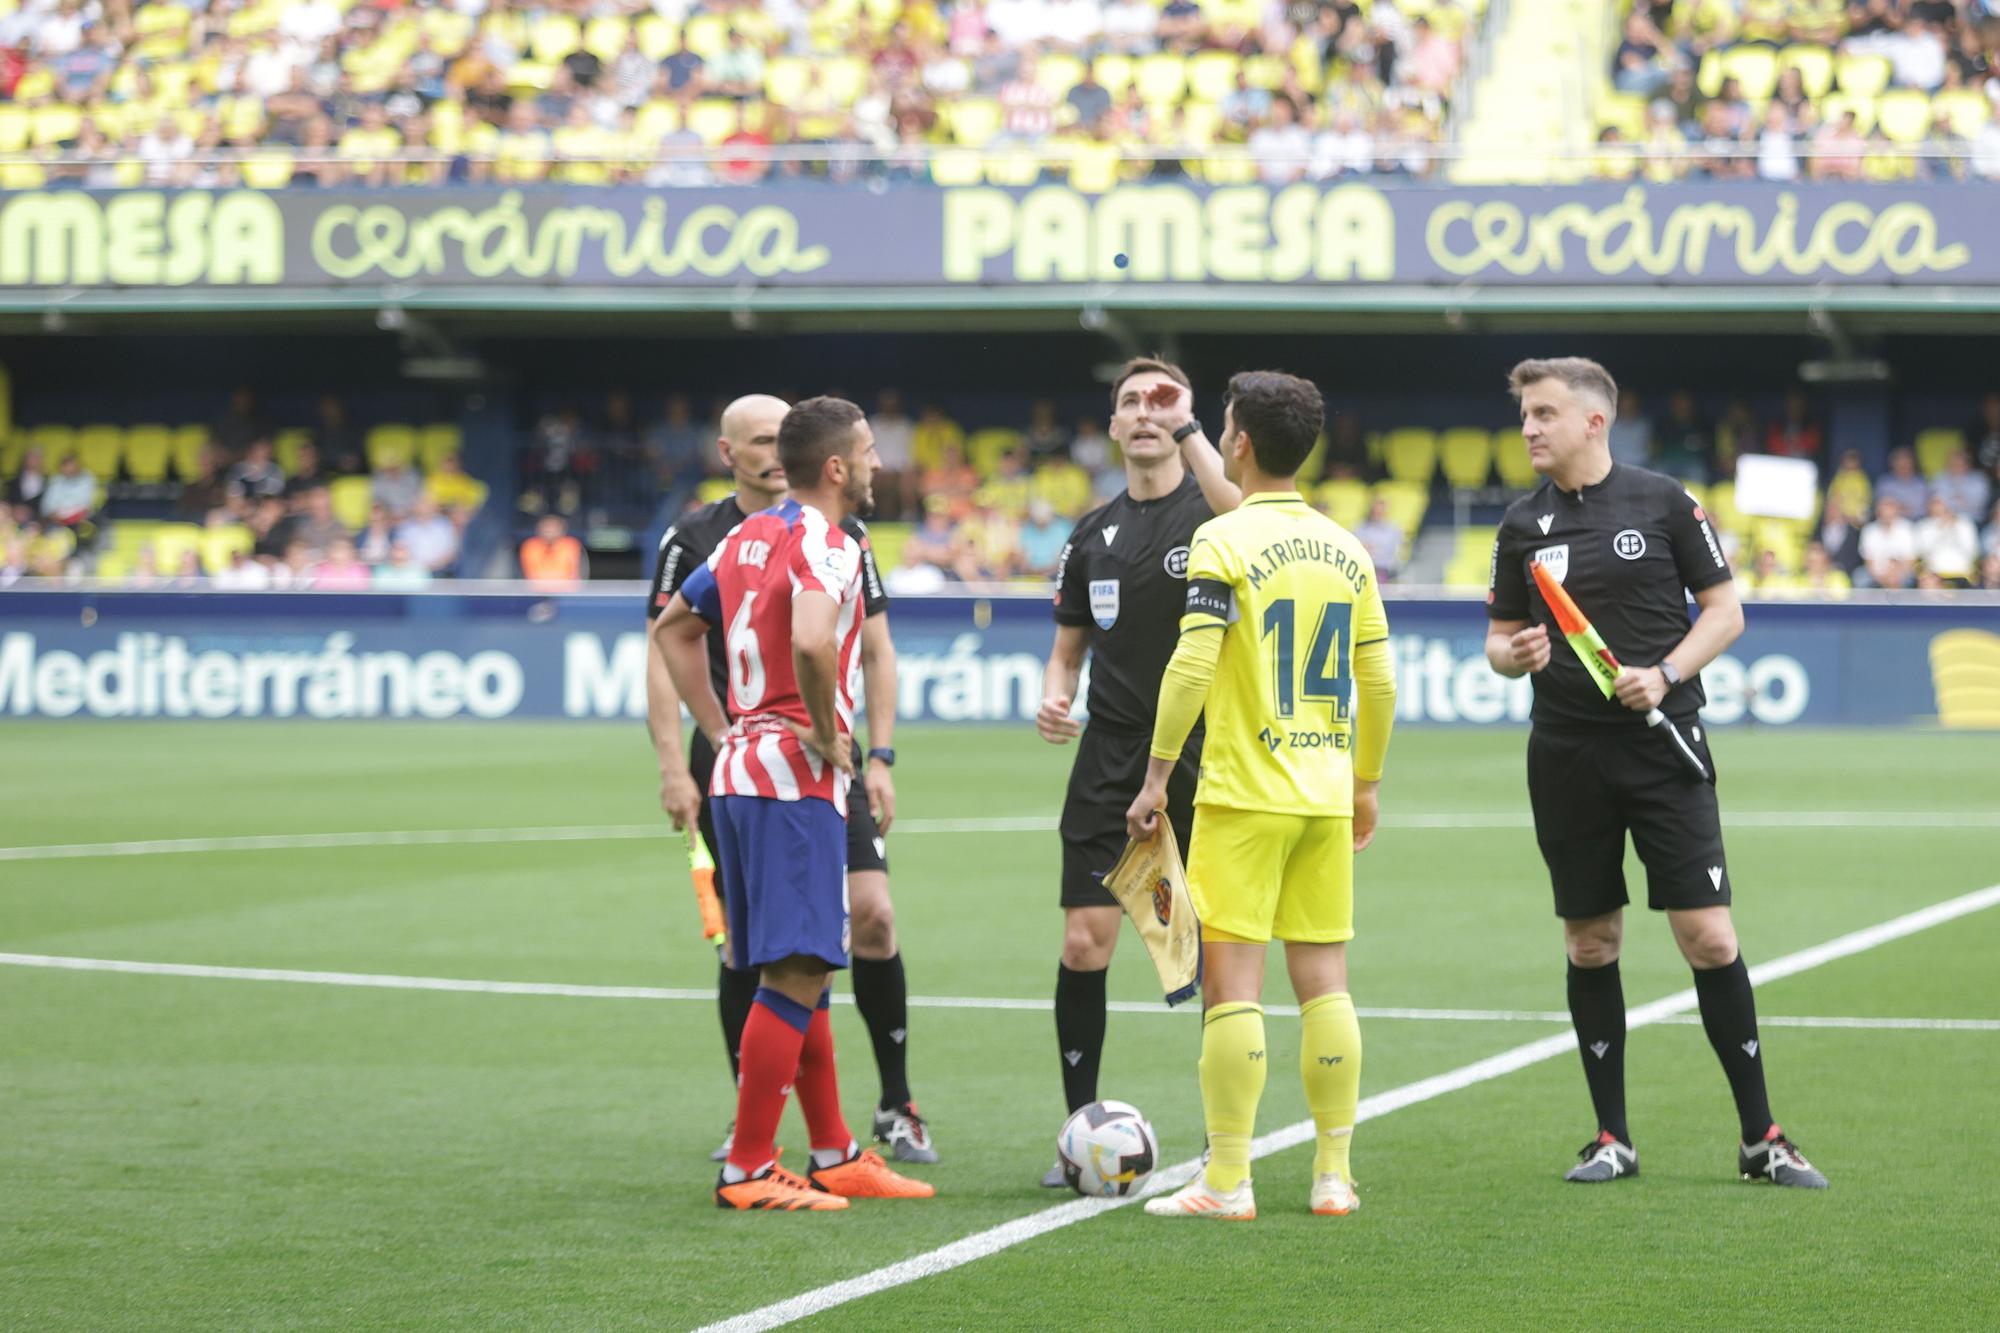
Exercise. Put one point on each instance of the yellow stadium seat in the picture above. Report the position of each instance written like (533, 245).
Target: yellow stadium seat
(1059, 73)
(55, 443)
(13, 447)
(658, 38)
(1266, 72)
(1114, 71)
(35, 85)
(785, 78)
(56, 124)
(1094, 166)
(244, 119)
(714, 119)
(450, 31)
(1471, 558)
(707, 35)
(129, 534)
(188, 444)
(1065, 486)
(887, 541)
(1862, 76)
(148, 450)
(955, 166)
(1345, 501)
(1708, 77)
(268, 169)
(1626, 111)
(656, 120)
(285, 446)
(100, 448)
(1722, 509)
(1904, 115)
(1410, 453)
(30, 176)
(351, 498)
(1020, 167)
(984, 447)
(1199, 122)
(844, 79)
(1815, 67)
(15, 125)
(1466, 456)
(436, 442)
(217, 545)
(974, 120)
(1160, 79)
(1966, 110)
(391, 442)
(170, 542)
(529, 76)
(1229, 170)
(1510, 459)
(1211, 75)
(605, 37)
(554, 37)
(1404, 502)
(1933, 447)
(1755, 69)
(1834, 105)
(715, 488)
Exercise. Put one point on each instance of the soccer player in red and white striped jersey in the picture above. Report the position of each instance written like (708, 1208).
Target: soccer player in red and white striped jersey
(786, 587)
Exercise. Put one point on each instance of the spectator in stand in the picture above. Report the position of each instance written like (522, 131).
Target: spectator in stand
(1888, 546)
(316, 525)
(1902, 484)
(1090, 100)
(936, 540)
(254, 478)
(1027, 106)
(1736, 434)
(432, 538)
(1991, 543)
(991, 546)
(935, 432)
(294, 570)
(557, 460)
(396, 486)
(1766, 575)
(243, 573)
(70, 498)
(1042, 539)
(455, 492)
(1631, 435)
(1644, 60)
(1006, 491)
(1777, 143)
(270, 531)
(1989, 573)
(915, 575)
(552, 559)
(1245, 105)
(243, 423)
(401, 570)
(341, 570)
(1849, 486)
(1983, 435)
(1181, 26)
(1090, 449)
(1965, 492)
(1045, 437)
(378, 536)
(675, 447)
(1947, 545)
(1838, 150)
(1281, 147)
(338, 441)
(24, 488)
(1821, 575)
(895, 445)
(1382, 539)
(951, 479)
(1686, 443)
(308, 474)
(1798, 433)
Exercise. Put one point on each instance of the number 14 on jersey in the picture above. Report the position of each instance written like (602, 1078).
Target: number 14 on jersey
(1326, 677)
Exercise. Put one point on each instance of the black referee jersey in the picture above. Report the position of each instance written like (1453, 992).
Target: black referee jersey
(694, 538)
(1123, 573)
(1628, 550)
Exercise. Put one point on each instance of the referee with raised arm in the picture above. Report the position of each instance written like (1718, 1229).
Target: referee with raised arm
(1121, 585)
(749, 448)
(1628, 546)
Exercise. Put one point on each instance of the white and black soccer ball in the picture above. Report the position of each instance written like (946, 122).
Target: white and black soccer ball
(1107, 1149)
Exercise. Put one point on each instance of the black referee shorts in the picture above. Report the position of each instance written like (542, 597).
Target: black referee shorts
(1108, 773)
(1590, 788)
(865, 847)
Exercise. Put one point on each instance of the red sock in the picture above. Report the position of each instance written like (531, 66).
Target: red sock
(770, 1058)
(819, 1086)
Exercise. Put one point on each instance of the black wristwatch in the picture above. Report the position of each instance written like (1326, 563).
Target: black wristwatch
(1671, 673)
(885, 754)
(1190, 427)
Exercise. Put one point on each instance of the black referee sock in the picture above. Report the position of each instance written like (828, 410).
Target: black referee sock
(883, 997)
(1080, 1031)
(1729, 1014)
(1597, 1009)
(735, 993)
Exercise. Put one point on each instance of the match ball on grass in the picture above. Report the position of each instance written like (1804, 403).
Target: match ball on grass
(1107, 1149)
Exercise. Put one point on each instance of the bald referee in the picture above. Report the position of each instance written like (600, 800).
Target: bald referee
(1629, 546)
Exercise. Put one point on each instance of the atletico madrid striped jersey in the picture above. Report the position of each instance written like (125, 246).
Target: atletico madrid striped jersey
(747, 587)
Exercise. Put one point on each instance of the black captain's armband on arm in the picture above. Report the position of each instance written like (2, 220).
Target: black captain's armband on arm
(1209, 597)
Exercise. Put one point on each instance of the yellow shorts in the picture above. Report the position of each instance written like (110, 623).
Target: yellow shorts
(1256, 875)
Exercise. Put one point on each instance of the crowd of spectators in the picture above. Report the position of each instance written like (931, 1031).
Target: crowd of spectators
(385, 92)
(1839, 90)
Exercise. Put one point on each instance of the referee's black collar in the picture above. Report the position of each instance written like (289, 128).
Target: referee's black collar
(1583, 493)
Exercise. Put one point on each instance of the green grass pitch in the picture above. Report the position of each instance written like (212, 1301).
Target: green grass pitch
(187, 1152)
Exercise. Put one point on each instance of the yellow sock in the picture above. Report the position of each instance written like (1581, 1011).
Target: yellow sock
(1232, 1083)
(1330, 1064)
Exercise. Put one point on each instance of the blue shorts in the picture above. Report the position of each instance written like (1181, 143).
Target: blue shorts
(786, 865)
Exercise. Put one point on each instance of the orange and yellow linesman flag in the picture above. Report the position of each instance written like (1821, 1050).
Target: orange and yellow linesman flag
(1151, 886)
(701, 869)
(1603, 665)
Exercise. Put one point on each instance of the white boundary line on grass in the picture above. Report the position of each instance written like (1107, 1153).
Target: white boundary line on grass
(565, 990)
(1009, 1234)
(460, 837)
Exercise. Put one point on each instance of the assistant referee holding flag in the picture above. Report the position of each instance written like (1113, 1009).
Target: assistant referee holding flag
(1628, 545)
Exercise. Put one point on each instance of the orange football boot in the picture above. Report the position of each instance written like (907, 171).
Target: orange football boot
(776, 1190)
(866, 1176)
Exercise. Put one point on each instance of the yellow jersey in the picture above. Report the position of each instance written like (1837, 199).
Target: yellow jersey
(1295, 594)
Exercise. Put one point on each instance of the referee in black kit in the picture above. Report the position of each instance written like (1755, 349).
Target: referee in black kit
(749, 447)
(1628, 546)
(1121, 586)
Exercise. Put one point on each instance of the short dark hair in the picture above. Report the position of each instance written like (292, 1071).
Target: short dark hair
(1147, 365)
(812, 432)
(1283, 415)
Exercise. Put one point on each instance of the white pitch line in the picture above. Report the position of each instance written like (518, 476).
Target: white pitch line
(279, 842)
(479, 986)
(1009, 1234)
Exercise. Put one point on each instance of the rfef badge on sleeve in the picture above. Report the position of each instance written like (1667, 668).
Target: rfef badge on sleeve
(1104, 602)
